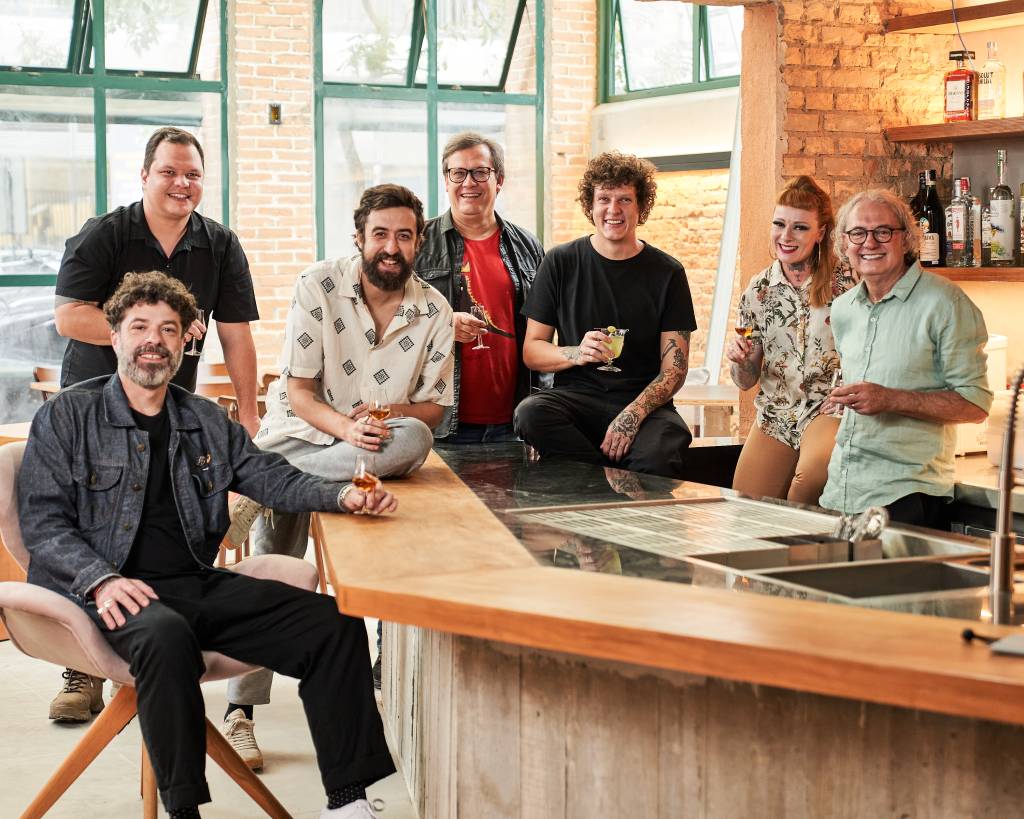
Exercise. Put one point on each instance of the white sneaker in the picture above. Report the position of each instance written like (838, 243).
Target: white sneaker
(238, 731)
(360, 809)
(243, 516)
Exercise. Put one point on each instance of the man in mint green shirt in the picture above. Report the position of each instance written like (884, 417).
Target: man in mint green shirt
(911, 349)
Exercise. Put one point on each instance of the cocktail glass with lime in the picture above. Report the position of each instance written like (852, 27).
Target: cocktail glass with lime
(616, 338)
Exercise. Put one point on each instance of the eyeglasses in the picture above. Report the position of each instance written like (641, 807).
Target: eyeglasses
(882, 234)
(458, 175)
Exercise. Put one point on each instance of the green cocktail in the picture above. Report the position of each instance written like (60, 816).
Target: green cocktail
(616, 338)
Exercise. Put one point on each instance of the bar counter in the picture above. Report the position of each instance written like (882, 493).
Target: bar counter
(514, 688)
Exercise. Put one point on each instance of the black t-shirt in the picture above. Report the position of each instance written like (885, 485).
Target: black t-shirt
(160, 547)
(209, 260)
(577, 290)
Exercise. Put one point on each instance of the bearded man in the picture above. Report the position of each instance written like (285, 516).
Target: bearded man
(359, 326)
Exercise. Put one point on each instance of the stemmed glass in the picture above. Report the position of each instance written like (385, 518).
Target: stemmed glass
(477, 312)
(616, 338)
(837, 381)
(193, 347)
(365, 476)
(377, 405)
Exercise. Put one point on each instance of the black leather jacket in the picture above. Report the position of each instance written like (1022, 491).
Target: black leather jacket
(439, 263)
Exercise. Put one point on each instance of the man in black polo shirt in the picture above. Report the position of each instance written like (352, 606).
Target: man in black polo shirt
(161, 232)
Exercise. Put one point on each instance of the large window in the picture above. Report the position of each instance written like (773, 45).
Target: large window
(83, 83)
(397, 78)
(656, 48)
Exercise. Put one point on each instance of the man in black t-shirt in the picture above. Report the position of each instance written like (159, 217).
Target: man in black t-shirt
(161, 232)
(585, 291)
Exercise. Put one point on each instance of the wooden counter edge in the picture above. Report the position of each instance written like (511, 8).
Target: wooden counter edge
(869, 664)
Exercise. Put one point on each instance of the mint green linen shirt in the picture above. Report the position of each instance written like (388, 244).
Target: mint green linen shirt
(924, 335)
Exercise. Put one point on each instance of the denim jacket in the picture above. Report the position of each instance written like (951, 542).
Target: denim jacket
(439, 263)
(83, 482)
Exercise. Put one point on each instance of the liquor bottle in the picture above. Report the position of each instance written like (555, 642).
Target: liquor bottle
(916, 201)
(977, 243)
(992, 85)
(932, 223)
(1001, 206)
(961, 88)
(986, 235)
(960, 217)
(950, 255)
(1020, 246)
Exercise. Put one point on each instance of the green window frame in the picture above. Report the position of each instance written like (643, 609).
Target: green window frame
(88, 44)
(612, 42)
(423, 43)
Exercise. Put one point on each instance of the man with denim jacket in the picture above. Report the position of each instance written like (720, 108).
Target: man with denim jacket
(475, 258)
(123, 503)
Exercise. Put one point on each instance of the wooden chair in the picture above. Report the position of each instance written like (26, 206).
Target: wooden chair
(48, 626)
(45, 380)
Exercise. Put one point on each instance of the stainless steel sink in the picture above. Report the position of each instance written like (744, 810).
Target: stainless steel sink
(884, 578)
(797, 550)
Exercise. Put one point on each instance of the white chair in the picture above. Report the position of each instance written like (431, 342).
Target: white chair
(43, 624)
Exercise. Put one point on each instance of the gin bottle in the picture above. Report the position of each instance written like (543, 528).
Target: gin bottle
(959, 215)
(1001, 204)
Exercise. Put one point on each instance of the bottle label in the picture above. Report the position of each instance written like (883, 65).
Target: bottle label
(930, 248)
(1002, 230)
(956, 96)
(957, 226)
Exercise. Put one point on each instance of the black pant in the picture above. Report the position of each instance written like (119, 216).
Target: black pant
(919, 509)
(266, 623)
(572, 424)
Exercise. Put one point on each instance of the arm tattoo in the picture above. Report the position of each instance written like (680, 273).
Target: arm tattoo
(746, 374)
(571, 353)
(627, 422)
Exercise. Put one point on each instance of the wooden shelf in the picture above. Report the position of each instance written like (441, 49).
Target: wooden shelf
(958, 131)
(971, 18)
(979, 274)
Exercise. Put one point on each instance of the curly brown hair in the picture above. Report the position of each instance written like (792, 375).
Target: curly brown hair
(150, 288)
(613, 169)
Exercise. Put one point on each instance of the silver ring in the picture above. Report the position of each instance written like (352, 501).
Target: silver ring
(106, 605)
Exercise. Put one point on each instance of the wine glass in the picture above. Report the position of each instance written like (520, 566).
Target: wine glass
(194, 346)
(837, 381)
(616, 338)
(478, 312)
(365, 476)
(377, 405)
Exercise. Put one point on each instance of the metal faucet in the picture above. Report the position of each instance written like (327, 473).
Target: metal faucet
(1003, 539)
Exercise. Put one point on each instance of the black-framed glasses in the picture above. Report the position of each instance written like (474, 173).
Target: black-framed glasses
(882, 234)
(458, 175)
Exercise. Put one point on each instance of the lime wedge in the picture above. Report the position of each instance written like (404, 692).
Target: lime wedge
(611, 329)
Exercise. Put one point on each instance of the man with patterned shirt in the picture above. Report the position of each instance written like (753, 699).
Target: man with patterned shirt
(356, 325)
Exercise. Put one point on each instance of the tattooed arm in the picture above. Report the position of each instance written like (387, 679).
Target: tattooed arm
(675, 355)
(745, 359)
(541, 355)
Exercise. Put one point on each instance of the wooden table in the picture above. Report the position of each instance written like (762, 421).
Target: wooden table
(715, 403)
(514, 685)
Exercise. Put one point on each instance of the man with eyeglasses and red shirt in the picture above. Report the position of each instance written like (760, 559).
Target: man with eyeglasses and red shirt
(476, 258)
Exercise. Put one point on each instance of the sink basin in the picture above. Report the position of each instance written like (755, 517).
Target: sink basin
(884, 578)
(797, 550)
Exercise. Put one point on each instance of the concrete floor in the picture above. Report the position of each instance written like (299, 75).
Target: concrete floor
(32, 747)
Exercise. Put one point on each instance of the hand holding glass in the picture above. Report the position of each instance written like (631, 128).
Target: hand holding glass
(616, 338)
(193, 347)
(477, 312)
(365, 477)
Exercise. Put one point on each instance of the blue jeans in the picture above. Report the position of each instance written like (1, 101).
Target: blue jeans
(482, 434)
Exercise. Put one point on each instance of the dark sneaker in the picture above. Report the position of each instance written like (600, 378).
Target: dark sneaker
(376, 672)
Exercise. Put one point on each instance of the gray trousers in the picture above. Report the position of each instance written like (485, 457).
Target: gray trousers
(288, 533)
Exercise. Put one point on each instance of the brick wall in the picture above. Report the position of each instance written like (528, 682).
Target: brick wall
(273, 206)
(846, 82)
(570, 95)
(686, 222)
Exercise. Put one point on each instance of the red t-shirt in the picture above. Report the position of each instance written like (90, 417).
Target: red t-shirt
(488, 383)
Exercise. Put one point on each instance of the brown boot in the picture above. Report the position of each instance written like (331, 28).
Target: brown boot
(79, 699)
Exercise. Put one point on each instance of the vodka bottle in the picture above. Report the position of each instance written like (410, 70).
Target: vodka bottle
(992, 85)
(1001, 204)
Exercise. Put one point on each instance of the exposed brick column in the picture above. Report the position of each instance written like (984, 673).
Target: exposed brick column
(273, 207)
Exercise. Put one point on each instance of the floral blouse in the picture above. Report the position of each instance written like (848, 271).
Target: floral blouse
(800, 356)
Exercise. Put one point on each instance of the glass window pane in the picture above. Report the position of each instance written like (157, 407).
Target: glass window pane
(28, 338)
(47, 182)
(513, 127)
(472, 41)
(522, 71)
(139, 39)
(367, 42)
(367, 143)
(659, 43)
(36, 34)
(132, 116)
(726, 27)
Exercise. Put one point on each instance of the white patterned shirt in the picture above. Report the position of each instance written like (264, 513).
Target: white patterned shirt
(330, 336)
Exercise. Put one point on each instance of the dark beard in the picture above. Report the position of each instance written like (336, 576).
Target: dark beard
(385, 281)
(149, 376)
